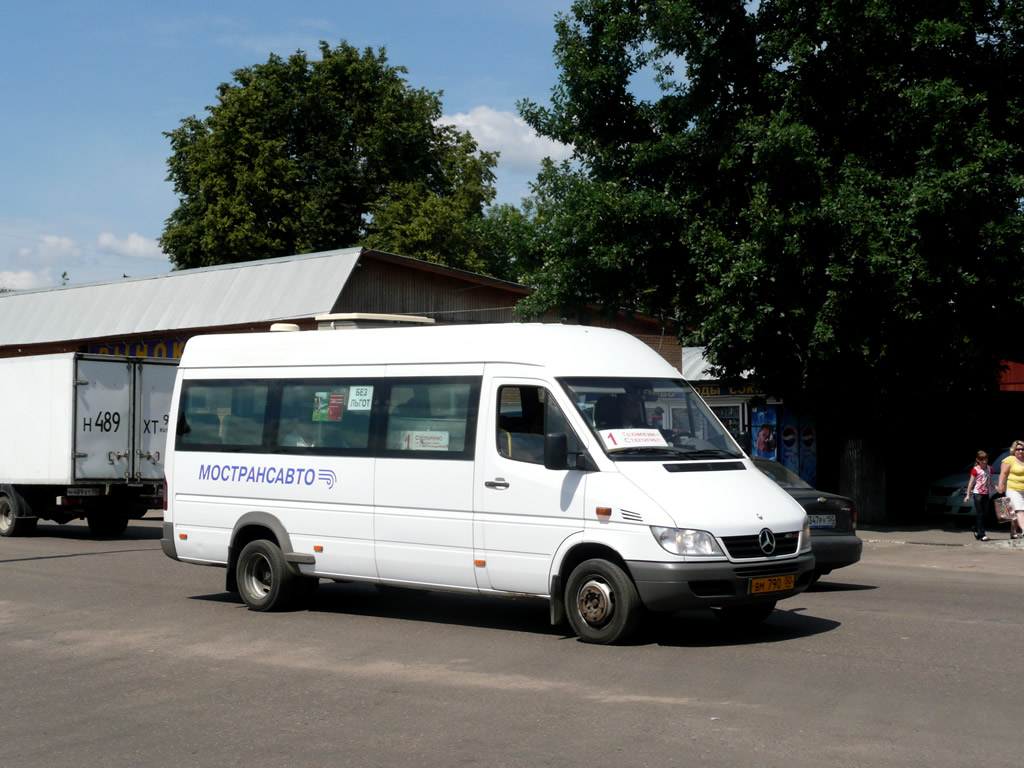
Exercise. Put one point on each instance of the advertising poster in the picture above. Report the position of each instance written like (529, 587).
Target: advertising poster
(329, 406)
(809, 453)
(789, 441)
(764, 436)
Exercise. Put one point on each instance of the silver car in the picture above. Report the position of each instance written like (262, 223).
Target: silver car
(946, 495)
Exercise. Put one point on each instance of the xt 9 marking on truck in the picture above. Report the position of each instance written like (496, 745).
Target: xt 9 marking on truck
(152, 426)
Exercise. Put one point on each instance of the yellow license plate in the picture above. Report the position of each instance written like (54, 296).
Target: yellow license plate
(772, 584)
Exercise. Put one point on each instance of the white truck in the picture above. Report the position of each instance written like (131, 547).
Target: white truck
(84, 437)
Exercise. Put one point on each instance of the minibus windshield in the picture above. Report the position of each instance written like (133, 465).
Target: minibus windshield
(650, 419)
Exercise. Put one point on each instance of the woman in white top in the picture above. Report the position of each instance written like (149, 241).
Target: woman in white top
(980, 482)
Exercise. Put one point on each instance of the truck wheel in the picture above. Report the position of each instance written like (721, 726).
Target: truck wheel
(601, 602)
(107, 526)
(10, 523)
(265, 581)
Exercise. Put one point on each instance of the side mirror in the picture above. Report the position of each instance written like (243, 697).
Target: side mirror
(558, 456)
(556, 451)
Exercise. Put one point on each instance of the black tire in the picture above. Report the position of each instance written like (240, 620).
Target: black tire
(601, 602)
(265, 581)
(109, 525)
(11, 521)
(745, 616)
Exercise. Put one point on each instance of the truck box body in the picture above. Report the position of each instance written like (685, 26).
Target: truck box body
(79, 425)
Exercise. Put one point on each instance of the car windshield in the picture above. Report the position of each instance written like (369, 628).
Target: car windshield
(650, 419)
(781, 474)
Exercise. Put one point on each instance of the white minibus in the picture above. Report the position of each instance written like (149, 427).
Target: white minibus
(565, 463)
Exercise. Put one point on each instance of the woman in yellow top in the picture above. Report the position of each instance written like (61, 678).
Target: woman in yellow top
(1011, 482)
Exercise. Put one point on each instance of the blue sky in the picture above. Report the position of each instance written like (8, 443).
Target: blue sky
(87, 90)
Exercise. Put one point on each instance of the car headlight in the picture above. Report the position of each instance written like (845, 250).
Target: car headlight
(684, 541)
(805, 535)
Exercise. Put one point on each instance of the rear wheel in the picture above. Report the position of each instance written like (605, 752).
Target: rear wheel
(11, 523)
(601, 602)
(265, 581)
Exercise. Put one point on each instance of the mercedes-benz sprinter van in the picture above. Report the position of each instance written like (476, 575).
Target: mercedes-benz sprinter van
(565, 463)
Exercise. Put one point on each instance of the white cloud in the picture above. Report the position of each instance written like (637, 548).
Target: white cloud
(26, 280)
(50, 249)
(135, 246)
(521, 148)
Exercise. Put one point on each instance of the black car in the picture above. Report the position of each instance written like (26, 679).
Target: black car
(833, 519)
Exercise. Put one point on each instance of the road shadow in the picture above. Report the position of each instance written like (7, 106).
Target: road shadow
(352, 599)
(684, 629)
(839, 586)
(703, 629)
(137, 530)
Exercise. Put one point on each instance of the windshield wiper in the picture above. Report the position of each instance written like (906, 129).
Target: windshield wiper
(671, 450)
(709, 453)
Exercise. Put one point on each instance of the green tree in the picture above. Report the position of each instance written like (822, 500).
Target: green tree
(300, 156)
(827, 193)
(412, 219)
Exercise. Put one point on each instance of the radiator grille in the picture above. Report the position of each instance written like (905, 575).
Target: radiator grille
(746, 547)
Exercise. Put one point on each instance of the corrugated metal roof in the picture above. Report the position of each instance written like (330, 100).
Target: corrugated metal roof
(250, 292)
(695, 366)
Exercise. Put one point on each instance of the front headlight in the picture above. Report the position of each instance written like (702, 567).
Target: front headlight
(683, 541)
(805, 535)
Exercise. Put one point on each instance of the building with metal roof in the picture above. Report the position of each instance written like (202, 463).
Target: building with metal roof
(154, 316)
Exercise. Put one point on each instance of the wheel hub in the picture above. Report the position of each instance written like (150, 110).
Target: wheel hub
(260, 576)
(596, 602)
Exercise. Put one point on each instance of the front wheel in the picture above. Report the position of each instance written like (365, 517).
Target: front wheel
(265, 581)
(601, 602)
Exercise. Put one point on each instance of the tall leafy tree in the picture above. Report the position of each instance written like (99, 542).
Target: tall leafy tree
(826, 192)
(412, 219)
(301, 155)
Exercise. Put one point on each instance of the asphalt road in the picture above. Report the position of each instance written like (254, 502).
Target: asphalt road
(114, 655)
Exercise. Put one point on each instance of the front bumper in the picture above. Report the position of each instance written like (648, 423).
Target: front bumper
(687, 586)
